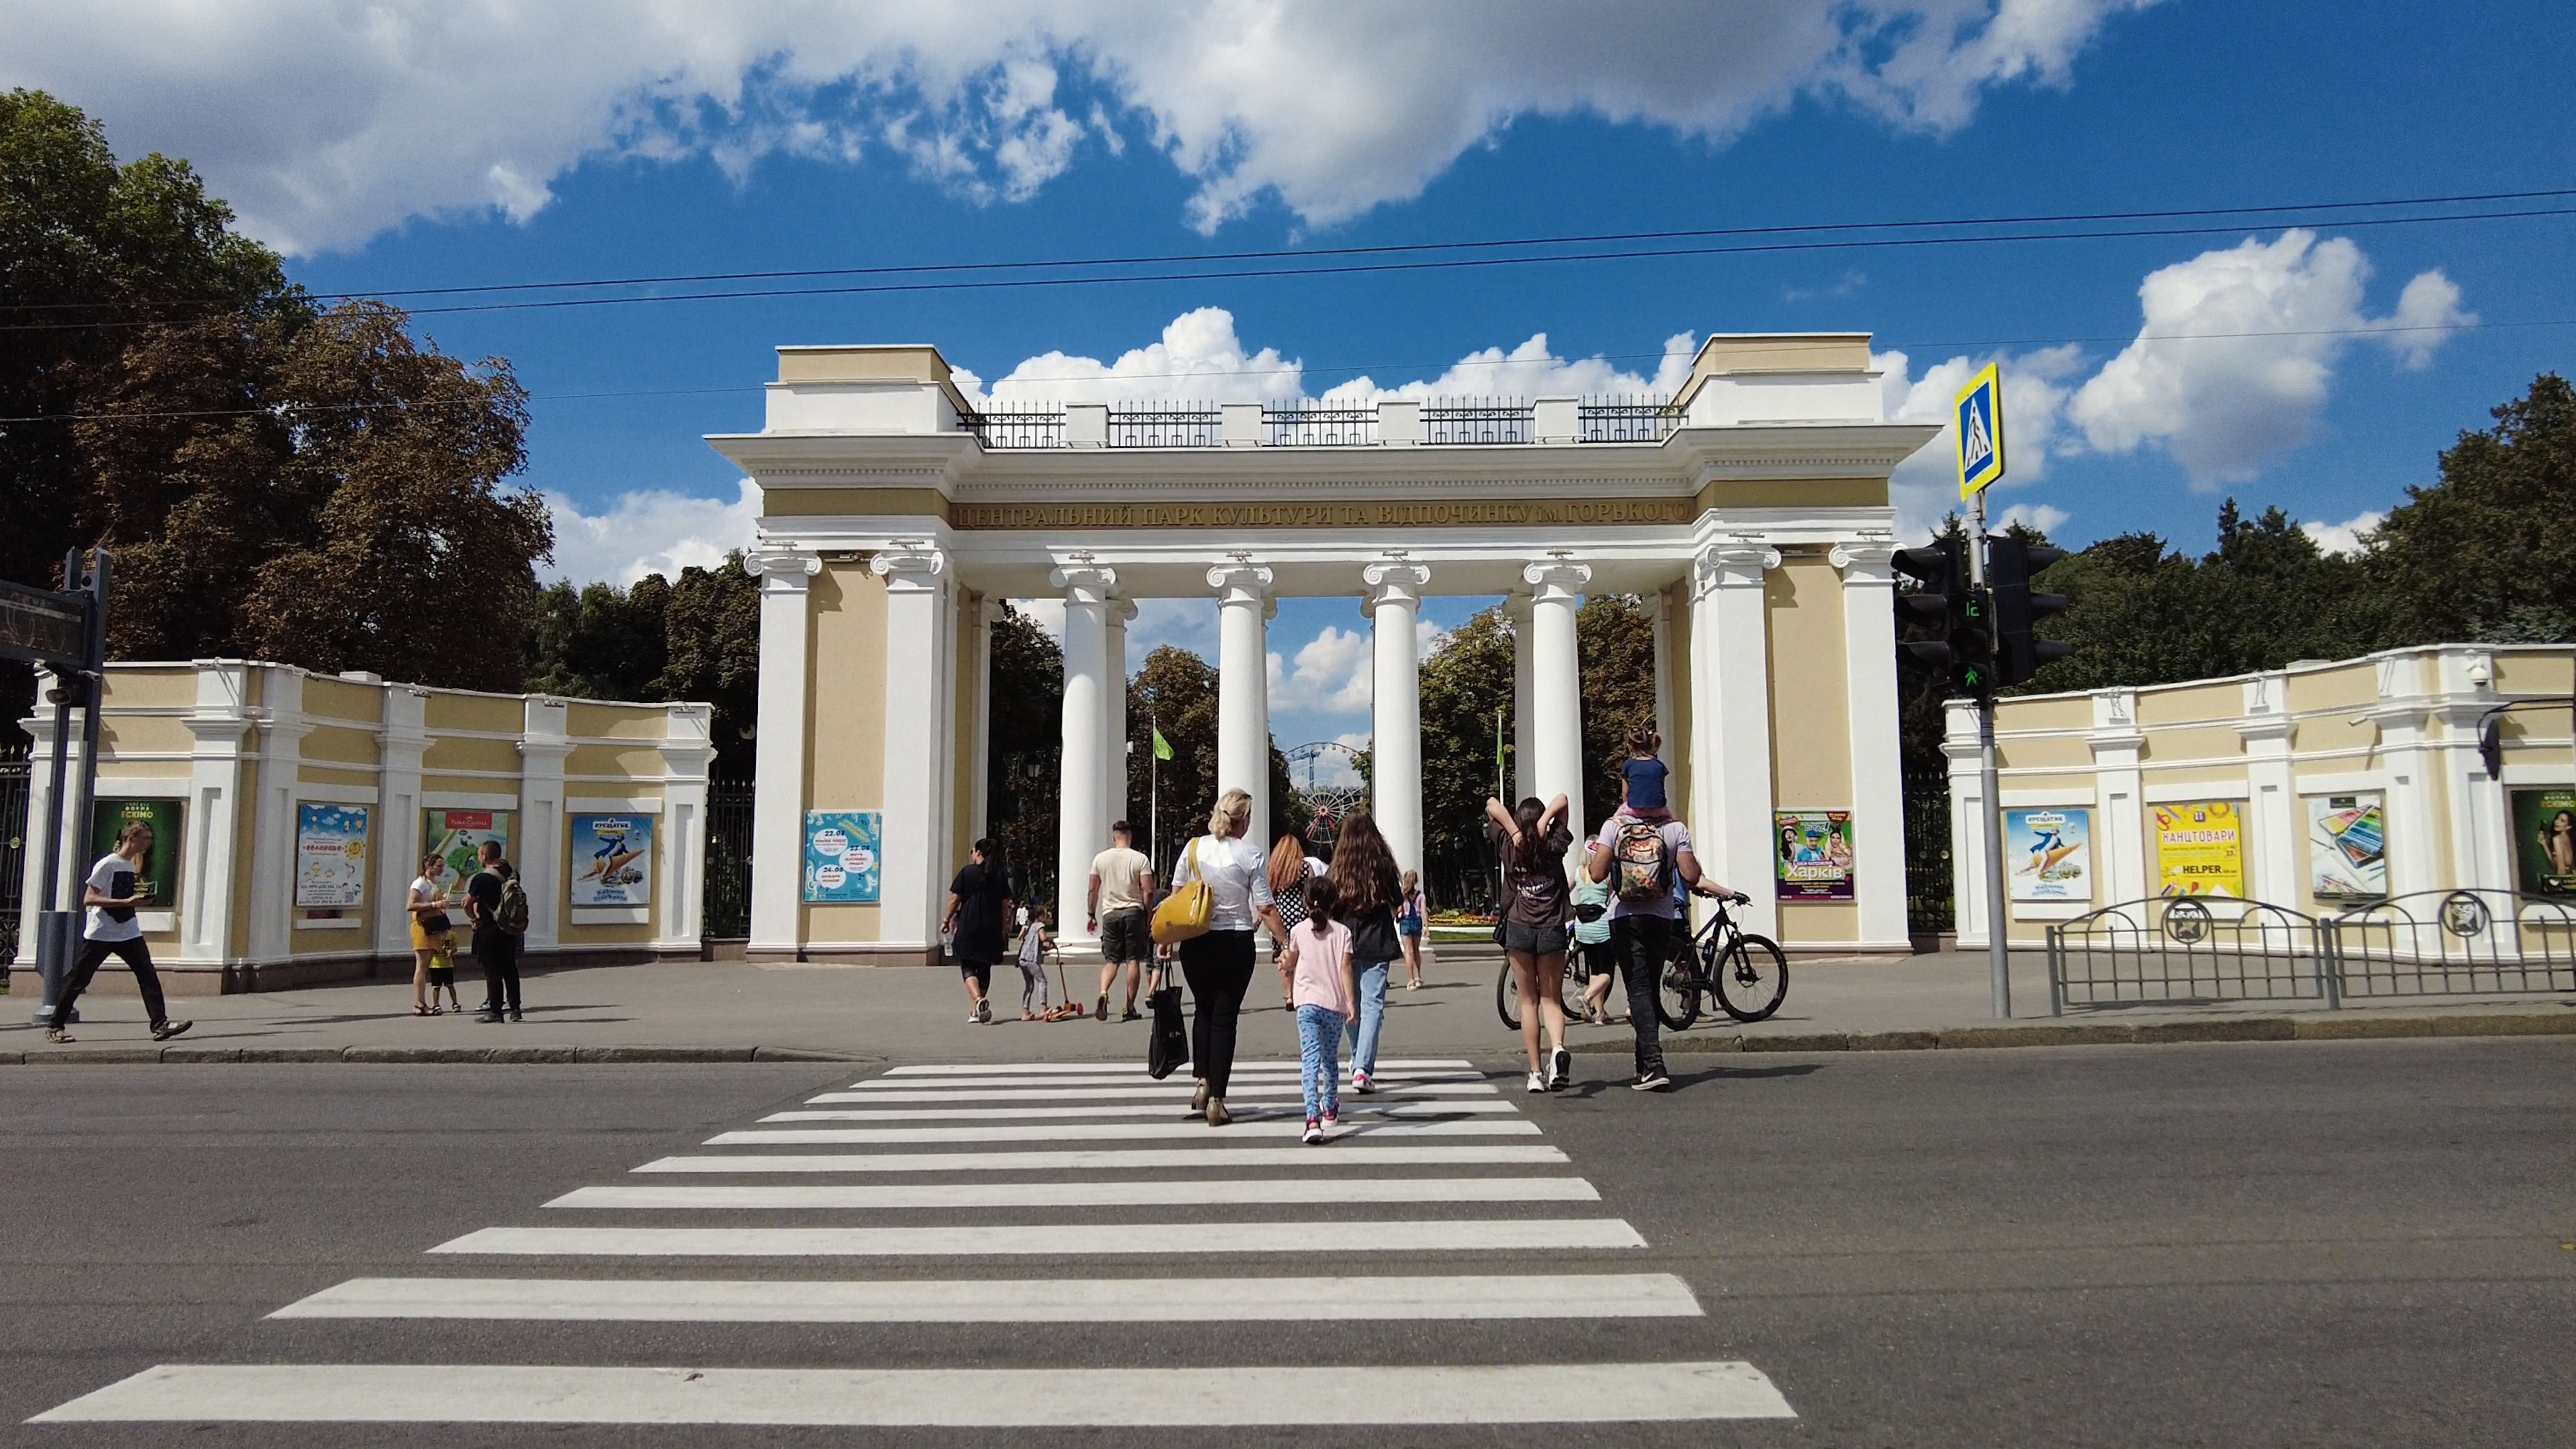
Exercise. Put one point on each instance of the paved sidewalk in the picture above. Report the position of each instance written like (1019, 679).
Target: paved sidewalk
(734, 1011)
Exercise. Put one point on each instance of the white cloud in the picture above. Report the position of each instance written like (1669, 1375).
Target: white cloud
(649, 531)
(1531, 370)
(326, 122)
(1331, 674)
(2345, 537)
(2233, 363)
(2036, 385)
(2038, 516)
(1427, 639)
(1198, 358)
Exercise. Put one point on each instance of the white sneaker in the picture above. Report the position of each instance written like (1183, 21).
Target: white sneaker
(1537, 1082)
(1563, 1076)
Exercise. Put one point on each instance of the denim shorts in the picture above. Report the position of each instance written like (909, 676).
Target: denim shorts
(1536, 940)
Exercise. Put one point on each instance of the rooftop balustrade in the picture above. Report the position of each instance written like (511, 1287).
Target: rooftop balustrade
(1436, 422)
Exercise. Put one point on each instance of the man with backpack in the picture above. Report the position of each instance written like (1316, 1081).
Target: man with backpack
(1641, 859)
(498, 907)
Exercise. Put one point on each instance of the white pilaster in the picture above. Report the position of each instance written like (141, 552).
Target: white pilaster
(979, 660)
(1659, 603)
(918, 742)
(1082, 776)
(282, 728)
(220, 723)
(539, 851)
(688, 749)
(778, 804)
(2403, 719)
(2272, 805)
(1243, 685)
(1113, 734)
(1967, 825)
(1734, 696)
(1556, 684)
(1395, 706)
(2120, 822)
(399, 743)
(1877, 760)
(1516, 608)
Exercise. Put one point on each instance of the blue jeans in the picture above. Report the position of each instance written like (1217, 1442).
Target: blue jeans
(1372, 975)
(1319, 1040)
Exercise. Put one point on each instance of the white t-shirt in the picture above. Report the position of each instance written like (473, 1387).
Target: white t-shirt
(113, 876)
(1676, 840)
(1237, 871)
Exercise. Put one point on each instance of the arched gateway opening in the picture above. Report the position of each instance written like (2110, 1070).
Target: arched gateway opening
(1750, 512)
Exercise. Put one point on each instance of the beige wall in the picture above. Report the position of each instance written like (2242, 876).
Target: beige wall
(1810, 719)
(845, 717)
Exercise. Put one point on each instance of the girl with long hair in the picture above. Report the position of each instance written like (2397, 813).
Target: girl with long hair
(1367, 888)
(1411, 910)
(1326, 998)
(1532, 842)
(1218, 962)
(1289, 870)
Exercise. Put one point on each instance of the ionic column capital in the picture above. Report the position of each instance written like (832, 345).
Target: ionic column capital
(1865, 560)
(1084, 582)
(1736, 562)
(1556, 580)
(1395, 581)
(783, 567)
(911, 566)
(1241, 582)
(1122, 612)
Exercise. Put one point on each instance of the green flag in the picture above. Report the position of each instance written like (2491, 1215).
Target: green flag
(1162, 746)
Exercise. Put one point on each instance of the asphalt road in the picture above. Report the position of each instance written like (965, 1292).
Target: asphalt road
(2295, 1243)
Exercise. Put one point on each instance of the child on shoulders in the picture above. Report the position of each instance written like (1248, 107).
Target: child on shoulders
(1642, 777)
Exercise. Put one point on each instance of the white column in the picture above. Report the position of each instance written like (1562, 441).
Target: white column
(2119, 792)
(539, 850)
(1243, 686)
(1661, 603)
(919, 736)
(39, 726)
(979, 773)
(1967, 829)
(2270, 831)
(1113, 715)
(401, 742)
(1524, 783)
(219, 723)
(1556, 685)
(1081, 783)
(1395, 706)
(688, 748)
(1877, 760)
(1734, 697)
(778, 764)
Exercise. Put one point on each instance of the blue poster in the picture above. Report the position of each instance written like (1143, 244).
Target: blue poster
(841, 857)
(2048, 854)
(330, 856)
(612, 860)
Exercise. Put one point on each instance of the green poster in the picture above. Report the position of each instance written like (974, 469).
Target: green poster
(159, 868)
(2544, 842)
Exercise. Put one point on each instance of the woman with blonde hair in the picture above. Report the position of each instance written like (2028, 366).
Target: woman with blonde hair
(1366, 885)
(1218, 962)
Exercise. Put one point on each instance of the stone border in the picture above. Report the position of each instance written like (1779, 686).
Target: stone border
(477, 1056)
(2122, 1033)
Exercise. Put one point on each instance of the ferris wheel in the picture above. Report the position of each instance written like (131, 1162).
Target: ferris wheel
(1326, 777)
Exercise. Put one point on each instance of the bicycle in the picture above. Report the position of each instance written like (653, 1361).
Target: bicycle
(1744, 974)
(1507, 991)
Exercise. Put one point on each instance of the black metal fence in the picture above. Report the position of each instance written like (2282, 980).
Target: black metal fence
(1929, 906)
(1318, 427)
(726, 912)
(1476, 420)
(1179, 425)
(1626, 419)
(13, 848)
(1018, 427)
(2454, 943)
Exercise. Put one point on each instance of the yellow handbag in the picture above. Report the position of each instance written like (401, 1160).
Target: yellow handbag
(1186, 911)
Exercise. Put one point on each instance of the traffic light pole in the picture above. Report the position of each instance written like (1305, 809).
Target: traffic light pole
(1998, 949)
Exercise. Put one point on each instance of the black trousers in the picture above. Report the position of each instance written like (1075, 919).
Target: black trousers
(1644, 946)
(498, 952)
(136, 957)
(1218, 967)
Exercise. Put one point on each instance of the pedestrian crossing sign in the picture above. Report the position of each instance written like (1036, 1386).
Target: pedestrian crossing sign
(1979, 416)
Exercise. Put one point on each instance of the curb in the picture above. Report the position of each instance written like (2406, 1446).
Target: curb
(2150, 1033)
(413, 1056)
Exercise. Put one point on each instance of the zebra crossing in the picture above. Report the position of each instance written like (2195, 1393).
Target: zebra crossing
(1438, 1162)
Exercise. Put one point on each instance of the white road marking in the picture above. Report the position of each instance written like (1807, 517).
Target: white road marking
(1123, 1090)
(1122, 1159)
(974, 1398)
(1351, 1107)
(995, 1069)
(1402, 1235)
(1007, 1300)
(1095, 1193)
(1106, 1132)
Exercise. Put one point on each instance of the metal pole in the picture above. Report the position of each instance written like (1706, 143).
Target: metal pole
(1998, 948)
(98, 582)
(1154, 786)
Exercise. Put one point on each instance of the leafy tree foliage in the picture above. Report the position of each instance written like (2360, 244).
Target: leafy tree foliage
(1466, 688)
(2489, 552)
(1615, 636)
(1174, 691)
(600, 641)
(711, 652)
(1027, 736)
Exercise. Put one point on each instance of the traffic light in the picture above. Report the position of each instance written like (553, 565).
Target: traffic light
(1964, 653)
(2018, 651)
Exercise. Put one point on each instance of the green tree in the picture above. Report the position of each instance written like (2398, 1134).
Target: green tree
(2488, 552)
(1466, 703)
(711, 652)
(1615, 637)
(1175, 691)
(600, 641)
(1027, 718)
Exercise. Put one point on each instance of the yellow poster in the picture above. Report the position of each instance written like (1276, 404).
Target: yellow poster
(2200, 849)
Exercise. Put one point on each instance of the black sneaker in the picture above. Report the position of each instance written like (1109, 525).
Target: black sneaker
(1130, 1014)
(1101, 1012)
(1651, 1081)
(514, 1016)
(490, 1018)
(169, 1029)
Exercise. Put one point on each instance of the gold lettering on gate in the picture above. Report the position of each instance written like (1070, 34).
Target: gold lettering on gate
(1424, 514)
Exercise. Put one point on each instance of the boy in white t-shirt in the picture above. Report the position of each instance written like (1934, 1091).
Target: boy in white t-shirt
(1325, 990)
(111, 893)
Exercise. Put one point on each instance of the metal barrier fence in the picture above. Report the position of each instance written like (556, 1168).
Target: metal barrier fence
(13, 848)
(725, 913)
(2202, 950)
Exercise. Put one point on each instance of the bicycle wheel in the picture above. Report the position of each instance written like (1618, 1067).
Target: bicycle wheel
(1677, 989)
(1753, 979)
(1507, 997)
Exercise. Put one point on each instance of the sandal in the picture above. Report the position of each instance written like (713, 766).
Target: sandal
(419, 1010)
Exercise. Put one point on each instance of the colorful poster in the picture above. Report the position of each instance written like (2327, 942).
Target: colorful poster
(455, 837)
(159, 867)
(331, 855)
(612, 860)
(2347, 847)
(1815, 854)
(841, 857)
(2048, 854)
(2200, 849)
(2544, 842)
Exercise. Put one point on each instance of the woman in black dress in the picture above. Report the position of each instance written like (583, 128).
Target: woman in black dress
(979, 908)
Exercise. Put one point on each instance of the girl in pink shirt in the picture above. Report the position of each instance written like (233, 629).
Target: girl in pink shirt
(1326, 996)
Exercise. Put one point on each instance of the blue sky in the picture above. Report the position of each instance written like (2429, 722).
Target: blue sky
(412, 146)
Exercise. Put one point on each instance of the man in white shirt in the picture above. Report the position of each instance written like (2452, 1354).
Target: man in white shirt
(1122, 881)
(111, 893)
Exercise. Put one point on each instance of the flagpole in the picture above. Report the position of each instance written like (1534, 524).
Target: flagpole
(1154, 785)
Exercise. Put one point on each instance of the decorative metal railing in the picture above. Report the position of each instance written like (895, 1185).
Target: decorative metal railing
(1017, 427)
(1626, 419)
(1171, 425)
(1476, 420)
(1453, 421)
(1303, 426)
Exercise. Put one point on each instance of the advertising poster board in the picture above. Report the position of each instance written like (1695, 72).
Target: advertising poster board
(454, 836)
(2347, 847)
(2200, 849)
(2048, 854)
(2544, 842)
(1814, 854)
(330, 855)
(841, 857)
(612, 860)
(160, 868)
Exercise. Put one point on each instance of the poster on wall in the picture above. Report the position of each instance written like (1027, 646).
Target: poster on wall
(455, 836)
(2048, 854)
(2200, 849)
(159, 867)
(612, 860)
(2544, 842)
(1815, 854)
(841, 857)
(331, 855)
(2347, 847)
